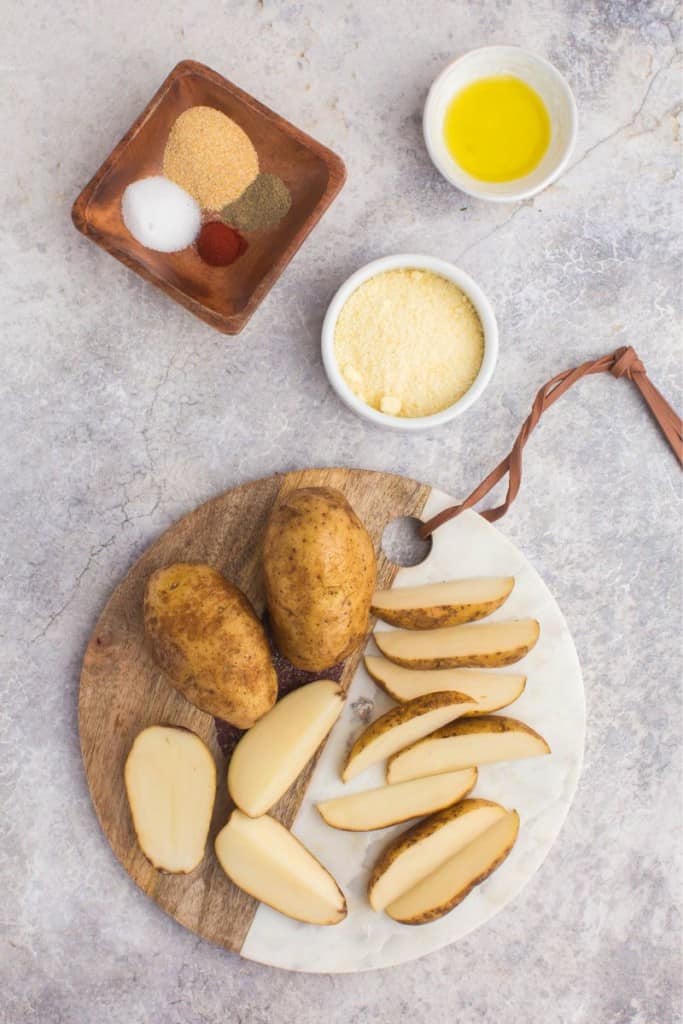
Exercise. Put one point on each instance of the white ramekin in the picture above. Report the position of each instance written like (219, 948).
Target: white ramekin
(544, 78)
(451, 273)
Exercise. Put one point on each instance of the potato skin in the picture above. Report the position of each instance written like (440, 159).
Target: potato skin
(320, 571)
(457, 897)
(205, 635)
(483, 724)
(421, 831)
(439, 615)
(401, 714)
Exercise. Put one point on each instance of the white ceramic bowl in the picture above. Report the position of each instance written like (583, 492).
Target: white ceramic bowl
(544, 78)
(451, 273)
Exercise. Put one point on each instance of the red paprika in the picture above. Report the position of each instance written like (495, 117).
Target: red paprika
(220, 245)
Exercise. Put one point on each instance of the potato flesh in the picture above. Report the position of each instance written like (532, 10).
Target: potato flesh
(262, 857)
(453, 753)
(492, 691)
(442, 604)
(448, 885)
(423, 857)
(403, 735)
(388, 805)
(476, 645)
(170, 779)
(269, 757)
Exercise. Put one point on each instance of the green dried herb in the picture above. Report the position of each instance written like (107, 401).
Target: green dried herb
(262, 205)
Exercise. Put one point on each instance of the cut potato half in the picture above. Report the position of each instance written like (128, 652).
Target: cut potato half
(389, 805)
(403, 726)
(442, 604)
(439, 892)
(475, 741)
(262, 857)
(491, 690)
(269, 757)
(426, 846)
(170, 778)
(477, 645)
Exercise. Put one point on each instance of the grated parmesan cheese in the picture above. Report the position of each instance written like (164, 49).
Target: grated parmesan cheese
(409, 342)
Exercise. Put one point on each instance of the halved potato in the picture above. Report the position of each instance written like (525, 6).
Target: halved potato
(403, 726)
(268, 758)
(423, 848)
(388, 805)
(477, 645)
(474, 741)
(442, 604)
(170, 778)
(491, 690)
(262, 857)
(439, 892)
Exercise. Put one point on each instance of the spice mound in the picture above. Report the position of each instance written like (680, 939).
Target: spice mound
(219, 245)
(409, 342)
(210, 156)
(160, 215)
(263, 204)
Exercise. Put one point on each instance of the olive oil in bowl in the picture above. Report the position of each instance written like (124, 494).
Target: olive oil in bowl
(497, 129)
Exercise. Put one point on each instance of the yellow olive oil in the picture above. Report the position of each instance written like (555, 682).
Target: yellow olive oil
(497, 129)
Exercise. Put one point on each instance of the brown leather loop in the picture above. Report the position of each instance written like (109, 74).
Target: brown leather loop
(624, 362)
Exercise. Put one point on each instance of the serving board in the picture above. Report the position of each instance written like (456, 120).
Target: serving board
(122, 692)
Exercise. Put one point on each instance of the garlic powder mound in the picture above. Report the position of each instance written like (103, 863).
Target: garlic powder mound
(210, 156)
(409, 342)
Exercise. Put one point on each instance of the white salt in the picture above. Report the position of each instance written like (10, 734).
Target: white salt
(160, 214)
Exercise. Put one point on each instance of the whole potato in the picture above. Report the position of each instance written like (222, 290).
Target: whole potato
(208, 640)
(320, 569)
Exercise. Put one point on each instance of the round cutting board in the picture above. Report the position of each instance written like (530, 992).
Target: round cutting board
(122, 691)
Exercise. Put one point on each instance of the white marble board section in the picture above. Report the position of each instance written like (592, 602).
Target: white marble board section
(540, 789)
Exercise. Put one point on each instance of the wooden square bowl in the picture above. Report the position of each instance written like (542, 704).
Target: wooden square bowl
(224, 297)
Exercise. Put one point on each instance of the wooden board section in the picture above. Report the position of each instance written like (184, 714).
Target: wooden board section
(225, 297)
(122, 691)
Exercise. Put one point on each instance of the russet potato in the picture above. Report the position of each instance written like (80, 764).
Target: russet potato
(415, 854)
(448, 886)
(474, 645)
(264, 859)
(434, 605)
(170, 779)
(388, 805)
(320, 570)
(491, 690)
(271, 755)
(487, 739)
(205, 635)
(402, 727)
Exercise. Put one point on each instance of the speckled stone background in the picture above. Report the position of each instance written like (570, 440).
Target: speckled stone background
(120, 412)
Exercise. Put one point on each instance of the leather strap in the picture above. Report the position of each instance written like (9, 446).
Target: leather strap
(624, 362)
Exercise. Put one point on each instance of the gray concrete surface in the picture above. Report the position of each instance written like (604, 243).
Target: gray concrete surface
(120, 412)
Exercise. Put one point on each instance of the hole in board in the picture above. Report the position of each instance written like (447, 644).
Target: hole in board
(402, 543)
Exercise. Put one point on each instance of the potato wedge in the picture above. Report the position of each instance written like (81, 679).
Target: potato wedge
(439, 892)
(477, 645)
(389, 805)
(269, 757)
(491, 690)
(403, 726)
(262, 857)
(205, 635)
(473, 741)
(170, 779)
(426, 846)
(320, 571)
(442, 604)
